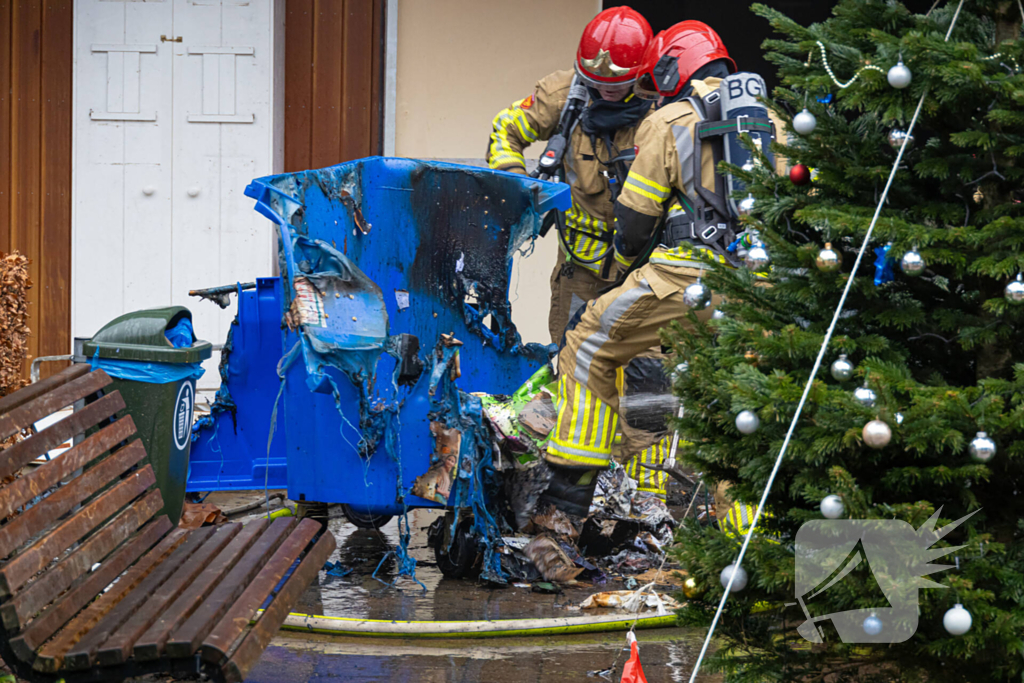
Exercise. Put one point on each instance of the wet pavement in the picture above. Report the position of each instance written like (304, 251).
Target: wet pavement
(666, 654)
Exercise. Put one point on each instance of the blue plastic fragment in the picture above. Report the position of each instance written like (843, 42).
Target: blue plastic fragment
(336, 569)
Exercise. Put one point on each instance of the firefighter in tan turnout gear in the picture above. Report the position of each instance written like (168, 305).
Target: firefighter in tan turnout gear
(673, 205)
(589, 115)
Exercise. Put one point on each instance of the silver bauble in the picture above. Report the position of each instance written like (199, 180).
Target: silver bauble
(876, 434)
(872, 625)
(899, 76)
(912, 263)
(746, 205)
(957, 620)
(982, 448)
(757, 258)
(1014, 292)
(899, 418)
(864, 396)
(739, 583)
(897, 136)
(719, 314)
(829, 260)
(680, 370)
(804, 123)
(747, 422)
(832, 506)
(748, 167)
(842, 369)
(697, 296)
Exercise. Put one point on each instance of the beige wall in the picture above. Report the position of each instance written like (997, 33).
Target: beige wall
(459, 63)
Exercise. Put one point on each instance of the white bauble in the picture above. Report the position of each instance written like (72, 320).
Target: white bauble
(804, 123)
(747, 422)
(832, 506)
(899, 76)
(739, 583)
(957, 620)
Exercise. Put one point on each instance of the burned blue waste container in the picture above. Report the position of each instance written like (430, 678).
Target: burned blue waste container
(394, 285)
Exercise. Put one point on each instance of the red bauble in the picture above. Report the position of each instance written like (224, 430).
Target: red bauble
(800, 175)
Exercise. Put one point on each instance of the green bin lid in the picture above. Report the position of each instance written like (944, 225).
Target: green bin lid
(142, 336)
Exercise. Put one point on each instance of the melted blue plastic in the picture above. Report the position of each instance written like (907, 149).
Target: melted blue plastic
(394, 246)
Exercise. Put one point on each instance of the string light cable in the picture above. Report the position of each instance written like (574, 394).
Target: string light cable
(814, 370)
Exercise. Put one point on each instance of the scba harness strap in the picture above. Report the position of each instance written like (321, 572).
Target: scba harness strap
(709, 219)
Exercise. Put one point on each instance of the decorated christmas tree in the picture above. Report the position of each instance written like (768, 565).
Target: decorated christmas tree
(917, 407)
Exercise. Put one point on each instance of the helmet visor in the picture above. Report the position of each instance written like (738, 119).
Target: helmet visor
(644, 87)
(594, 83)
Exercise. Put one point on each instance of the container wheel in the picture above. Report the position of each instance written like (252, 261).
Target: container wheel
(364, 520)
(455, 556)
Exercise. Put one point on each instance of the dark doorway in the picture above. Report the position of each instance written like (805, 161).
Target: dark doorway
(742, 30)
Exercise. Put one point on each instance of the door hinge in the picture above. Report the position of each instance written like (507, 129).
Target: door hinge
(165, 39)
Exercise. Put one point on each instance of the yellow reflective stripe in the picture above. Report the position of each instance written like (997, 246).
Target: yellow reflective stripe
(560, 405)
(583, 460)
(623, 260)
(585, 243)
(504, 160)
(591, 427)
(685, 256)
(524, 127)
(660, 189)
(641, 191)
(501, 151)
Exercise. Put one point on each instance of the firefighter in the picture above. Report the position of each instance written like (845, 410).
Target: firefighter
(593, 107)
(684, 67)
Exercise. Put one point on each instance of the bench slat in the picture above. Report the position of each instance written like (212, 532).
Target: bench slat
(58, 614)
(24, 489)
(258, 638)
(28, 414)
(45, 513)
(30, 600)
(81, 655)
(23, 567)
(151, 644)
(51, 656)
(24, 452)
(218, 643)
(186, 639)
(118, 646)
(34, 391)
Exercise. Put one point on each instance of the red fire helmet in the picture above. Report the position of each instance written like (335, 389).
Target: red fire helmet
(680, 51)
(612, 46)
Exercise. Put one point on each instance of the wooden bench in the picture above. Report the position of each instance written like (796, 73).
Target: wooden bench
(95, 587)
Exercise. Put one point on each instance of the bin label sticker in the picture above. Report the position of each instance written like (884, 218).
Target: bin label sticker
(402, 299)
(183, 415)
(309, 303)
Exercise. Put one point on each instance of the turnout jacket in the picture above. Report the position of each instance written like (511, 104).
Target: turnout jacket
(591, 218)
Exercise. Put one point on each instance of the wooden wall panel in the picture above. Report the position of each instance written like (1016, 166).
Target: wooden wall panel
(333, 89)
(35, 160)
(54, 285)
(5, 125)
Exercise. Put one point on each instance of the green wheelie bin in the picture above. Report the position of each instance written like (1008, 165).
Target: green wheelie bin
(154, 359)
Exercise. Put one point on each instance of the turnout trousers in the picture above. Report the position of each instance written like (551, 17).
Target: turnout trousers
(614, 328)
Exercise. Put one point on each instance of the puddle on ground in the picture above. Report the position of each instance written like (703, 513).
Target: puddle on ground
(666, 654)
